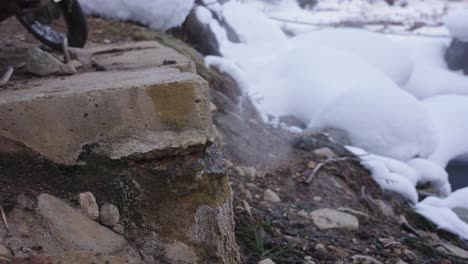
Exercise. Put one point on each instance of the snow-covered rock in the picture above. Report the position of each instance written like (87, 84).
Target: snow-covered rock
(157, 14)
(375, 48)
(457, 24)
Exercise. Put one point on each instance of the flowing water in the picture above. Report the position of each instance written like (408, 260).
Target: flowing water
(458, 173)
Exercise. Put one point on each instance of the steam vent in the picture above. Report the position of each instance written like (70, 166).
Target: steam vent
(115, 165)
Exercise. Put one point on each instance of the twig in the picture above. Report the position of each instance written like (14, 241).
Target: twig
(406, 226)
(6, 76)
(66, 51)
(5, 221)
(323, 163)
(368, 199)
(391, 243)
(361, 25)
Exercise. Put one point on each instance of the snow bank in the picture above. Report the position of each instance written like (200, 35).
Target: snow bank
(439, 211)
(375, 48)
(449, 113)
(430, 75)
(457, 24)
(444, 218)
(157, 14)
(403, 177)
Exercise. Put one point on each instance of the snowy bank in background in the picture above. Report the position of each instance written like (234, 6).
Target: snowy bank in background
(457, 23)
(430, 74)
(329, 87)
(159, 15)
(375, 48)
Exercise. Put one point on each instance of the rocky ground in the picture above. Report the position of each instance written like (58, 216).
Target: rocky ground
(297, 199)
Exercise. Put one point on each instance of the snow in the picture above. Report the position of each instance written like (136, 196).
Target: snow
(203, 15)
(449, 113)
(457, 23)
(159, 15)
(444, 218)
(430, 75)
(455, 199)
(403, 177)
(391, 181)
(375, 48)
(226, 66)
(439, 211)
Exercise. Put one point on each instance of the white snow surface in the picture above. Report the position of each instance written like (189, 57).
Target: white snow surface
(457, 24)
(430, 74)
(373, 47)
(449, 113)
(444, 218)
(159, 15)
(439, 211)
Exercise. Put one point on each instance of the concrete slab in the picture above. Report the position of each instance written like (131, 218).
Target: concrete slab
(140, 55)
(133, 109)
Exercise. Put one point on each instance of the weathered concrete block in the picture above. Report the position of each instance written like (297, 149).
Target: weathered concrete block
(123, 113)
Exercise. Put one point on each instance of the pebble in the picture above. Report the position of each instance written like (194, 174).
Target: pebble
(43, 64)
(338, 252)
(5, 253)
(362, 217)
(179, 252)
(266, 261)
(251, 185)
(239, 171)
(303, 213)
(326, 218)
(321, 248)
(317, 198)
(271, 196)
(83, 56)
(365, 259)
(25, 203)
(89, 206)
(109, 214)
(119, 229)
(250, 172)
(247, 207)
(325, 152)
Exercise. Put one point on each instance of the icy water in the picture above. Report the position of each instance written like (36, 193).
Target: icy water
(458, 173)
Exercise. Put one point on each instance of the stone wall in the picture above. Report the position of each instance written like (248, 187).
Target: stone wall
(136, 138)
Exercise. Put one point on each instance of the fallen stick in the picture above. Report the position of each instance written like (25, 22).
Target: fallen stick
(323, 163)
(66, 51)
(4, 218)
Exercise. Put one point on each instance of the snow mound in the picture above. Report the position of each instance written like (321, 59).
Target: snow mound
(444, 218)
(449, 113)
(457, 24)
(401, 177)
(391, 181)
(439, 211)
(159, 15)
(375, 48)
(430, 75)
